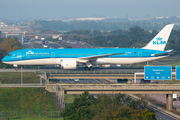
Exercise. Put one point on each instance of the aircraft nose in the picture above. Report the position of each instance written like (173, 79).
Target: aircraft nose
(4, 59)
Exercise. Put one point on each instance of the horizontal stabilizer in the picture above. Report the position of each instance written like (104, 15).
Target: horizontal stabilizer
(167, 52)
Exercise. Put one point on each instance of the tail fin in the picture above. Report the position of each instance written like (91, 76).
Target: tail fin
(160, 40)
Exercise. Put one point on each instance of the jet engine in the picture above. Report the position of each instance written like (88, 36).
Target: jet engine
(68, 64)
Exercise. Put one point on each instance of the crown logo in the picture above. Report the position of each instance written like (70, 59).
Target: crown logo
(159, 38)
(29, 52)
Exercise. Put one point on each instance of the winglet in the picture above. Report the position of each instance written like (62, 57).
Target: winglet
(160, 40)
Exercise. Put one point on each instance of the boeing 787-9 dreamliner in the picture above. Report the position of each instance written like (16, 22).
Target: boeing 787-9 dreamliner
(72, 57)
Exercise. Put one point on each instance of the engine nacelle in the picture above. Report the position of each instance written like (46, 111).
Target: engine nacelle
(68, 64)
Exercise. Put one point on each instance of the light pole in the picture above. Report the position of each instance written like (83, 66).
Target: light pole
(21, 76)
(41, 78)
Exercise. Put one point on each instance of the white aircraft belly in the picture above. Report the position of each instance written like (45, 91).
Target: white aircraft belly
(126, 60)
(50, 61)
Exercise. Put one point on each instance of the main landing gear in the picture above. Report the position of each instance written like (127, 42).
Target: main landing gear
(88, 68)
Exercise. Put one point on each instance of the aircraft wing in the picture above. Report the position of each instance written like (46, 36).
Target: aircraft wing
(99, 56)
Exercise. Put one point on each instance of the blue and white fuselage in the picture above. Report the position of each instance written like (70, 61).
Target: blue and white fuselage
(70, 58)
(53, 56)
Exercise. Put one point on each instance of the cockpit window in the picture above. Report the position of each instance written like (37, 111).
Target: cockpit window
(9, 54)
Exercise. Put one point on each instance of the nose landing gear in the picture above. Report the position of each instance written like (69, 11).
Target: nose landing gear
(16, 68)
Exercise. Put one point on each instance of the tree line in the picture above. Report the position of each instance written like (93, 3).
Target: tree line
(7, 45)
(115, 107)
(92, 25)
(136, 37)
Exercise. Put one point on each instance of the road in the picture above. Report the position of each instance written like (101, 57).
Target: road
(76, 44)
(162, 98)
(38, 44)
(49, 44)
(52, 45)
(160, 115)
(80, 81)
(29, 45)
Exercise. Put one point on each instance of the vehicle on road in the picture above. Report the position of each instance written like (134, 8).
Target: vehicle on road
(70, 58)
(45, 46)
(176, 97)
(43, 41)
(46, 41)
(76, 80)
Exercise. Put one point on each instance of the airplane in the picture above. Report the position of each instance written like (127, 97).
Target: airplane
(70, 58)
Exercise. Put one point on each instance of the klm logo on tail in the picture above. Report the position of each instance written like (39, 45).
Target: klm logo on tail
(159, 41)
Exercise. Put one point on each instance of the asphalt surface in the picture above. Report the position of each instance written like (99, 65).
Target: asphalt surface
(80, 81)
(162, 98)
(29, 45)
(53, 45)
(76, 44)
(38, 44)
(49, 44)
(160, 115)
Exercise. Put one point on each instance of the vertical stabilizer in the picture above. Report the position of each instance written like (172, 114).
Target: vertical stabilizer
(160, 40)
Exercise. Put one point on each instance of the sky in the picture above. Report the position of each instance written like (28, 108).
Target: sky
(59, 9)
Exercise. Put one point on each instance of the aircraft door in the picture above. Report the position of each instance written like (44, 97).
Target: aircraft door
(140, 54)
(52, 54)
(100, 53)
(19, 55)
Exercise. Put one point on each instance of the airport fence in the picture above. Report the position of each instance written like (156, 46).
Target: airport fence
(27, 114)
(90, 72)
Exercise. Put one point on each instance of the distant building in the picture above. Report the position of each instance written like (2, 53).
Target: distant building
(29, 35)
(57, 36)
(60, 38)
(161, 17)
(9, 29)
(36, 37)
(91, 19)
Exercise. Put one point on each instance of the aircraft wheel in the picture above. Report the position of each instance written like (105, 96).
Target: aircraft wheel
(91, 68)
(85, 68)
(16, 68)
